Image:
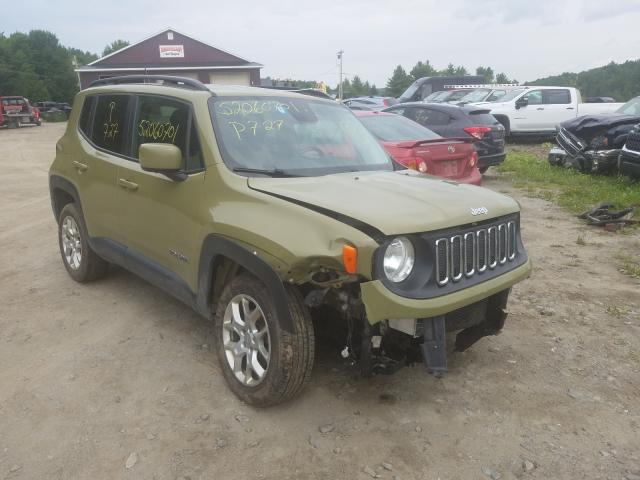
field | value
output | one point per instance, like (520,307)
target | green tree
(373,90)
(82,58)
(486,72)
(36,66)
(357,87)
(421,69)
(502,78)
(450,70)
(114,46)
(398,82)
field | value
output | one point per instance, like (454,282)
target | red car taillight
(478,131)
(385,102)
(474,159)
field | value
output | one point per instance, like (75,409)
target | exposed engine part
(434,346)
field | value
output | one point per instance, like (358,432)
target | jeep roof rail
(182,82)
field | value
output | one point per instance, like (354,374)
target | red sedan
(417,147)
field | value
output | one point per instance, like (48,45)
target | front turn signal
(350,258)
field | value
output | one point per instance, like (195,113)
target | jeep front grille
(473,252)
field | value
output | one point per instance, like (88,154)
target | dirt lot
(95,378)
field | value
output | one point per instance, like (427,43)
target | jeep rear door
(103,138)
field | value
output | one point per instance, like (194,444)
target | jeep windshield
(286,136)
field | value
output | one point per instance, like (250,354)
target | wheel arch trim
(57,182)
(216,246)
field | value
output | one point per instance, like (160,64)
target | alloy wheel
(71,242)
(246,341)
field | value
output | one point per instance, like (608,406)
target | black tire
(505,123)
(291,354)
(89,266)
(483,170)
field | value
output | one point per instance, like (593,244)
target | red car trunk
(417,147)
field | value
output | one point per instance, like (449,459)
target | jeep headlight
(398,260)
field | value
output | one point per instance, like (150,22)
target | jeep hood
(399,202)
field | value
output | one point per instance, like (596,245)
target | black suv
(454,121)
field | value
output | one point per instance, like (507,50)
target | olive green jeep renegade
(259,208)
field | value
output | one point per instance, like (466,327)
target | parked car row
(49,106)
(453,125)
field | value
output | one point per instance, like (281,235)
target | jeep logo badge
(451,149)
(479,211)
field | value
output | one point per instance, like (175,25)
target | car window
(166,120)
(85,115)
(480,117)
(394,128)
(110,122)
(426,117)
(534,97)
(496,95)
(632,107)
(556,96)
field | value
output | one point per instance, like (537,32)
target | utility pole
(340,84)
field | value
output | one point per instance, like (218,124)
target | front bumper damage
(473,312)
(572,152)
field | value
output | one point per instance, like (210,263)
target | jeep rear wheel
(262,363)
(81,262)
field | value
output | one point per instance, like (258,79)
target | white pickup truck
(537,110)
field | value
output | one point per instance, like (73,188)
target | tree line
(400,79)
(620,81)
(35,65)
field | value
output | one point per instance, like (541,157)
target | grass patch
(629,265)
(573,190)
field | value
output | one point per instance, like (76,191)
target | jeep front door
(159,216)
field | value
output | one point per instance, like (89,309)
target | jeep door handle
(127,184)
(539,108)
(569,108)
(82,167)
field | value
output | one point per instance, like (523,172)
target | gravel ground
(117,380)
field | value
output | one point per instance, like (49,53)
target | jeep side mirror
(522,102)
(162,158)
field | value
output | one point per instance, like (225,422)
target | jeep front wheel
(263,363)
(82,263)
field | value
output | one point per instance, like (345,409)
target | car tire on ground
(262,363)
(483,170)
(82,263)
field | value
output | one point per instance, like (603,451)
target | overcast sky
(526,39)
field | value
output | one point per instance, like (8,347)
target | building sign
(170,51)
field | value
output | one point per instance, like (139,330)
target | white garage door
(230,78)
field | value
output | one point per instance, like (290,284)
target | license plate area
(449,168)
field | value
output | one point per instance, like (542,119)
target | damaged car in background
(592,143)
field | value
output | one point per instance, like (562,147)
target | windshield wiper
(276,172)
